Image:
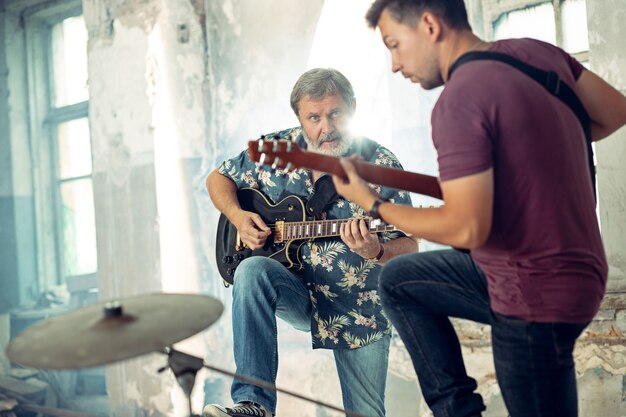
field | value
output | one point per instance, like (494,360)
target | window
(560,22)
(57,83)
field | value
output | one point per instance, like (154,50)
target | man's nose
(395,66)
(328,125)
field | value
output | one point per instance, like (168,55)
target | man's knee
(257,272)
(251,272)
(391,274)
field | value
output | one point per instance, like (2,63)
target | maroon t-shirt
(544,258)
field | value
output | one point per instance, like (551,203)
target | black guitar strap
(324,192)
(552,83)
(323,195)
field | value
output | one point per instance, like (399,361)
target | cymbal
(113,331)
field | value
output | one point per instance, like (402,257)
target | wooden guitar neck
(288,155)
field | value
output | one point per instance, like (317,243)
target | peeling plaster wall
(256,53)
(603,381)
(607,45)
(147,120)
(18,254)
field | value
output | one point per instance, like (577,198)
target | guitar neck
(390,177)
(286,231)
(288,155)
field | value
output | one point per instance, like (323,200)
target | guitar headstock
(279,153)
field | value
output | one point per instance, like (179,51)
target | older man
(334,295)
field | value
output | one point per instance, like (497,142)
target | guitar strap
(323,195)
(324,192)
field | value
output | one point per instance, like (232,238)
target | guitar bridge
(278,233)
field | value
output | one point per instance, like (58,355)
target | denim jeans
(533,361)
(264,289)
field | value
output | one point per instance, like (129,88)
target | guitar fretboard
(322,228)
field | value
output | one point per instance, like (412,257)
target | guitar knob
(238,257)
(230,272)
(227,259)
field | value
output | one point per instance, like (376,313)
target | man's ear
(432,26)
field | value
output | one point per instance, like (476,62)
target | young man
(517,193)
(334,296)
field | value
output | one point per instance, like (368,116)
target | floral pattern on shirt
(346,310)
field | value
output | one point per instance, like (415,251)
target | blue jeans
(533,361)
(264,289)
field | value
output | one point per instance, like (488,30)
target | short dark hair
(452,12)
(318,83)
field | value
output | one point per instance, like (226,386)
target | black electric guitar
(290,230)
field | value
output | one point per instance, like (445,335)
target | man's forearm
(223,193)
(398,246)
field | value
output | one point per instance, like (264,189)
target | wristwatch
(373,212)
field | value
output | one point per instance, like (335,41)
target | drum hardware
(117,330)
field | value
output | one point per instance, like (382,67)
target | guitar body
(230,252)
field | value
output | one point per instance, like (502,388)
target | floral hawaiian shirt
(342,285)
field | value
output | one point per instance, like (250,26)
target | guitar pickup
(278,233)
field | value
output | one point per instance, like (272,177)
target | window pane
(574,24)
(533,22)
(79,227)
(69,58)
(74,148)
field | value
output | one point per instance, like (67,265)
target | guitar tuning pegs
(276,136)
(275,146)
(289,166)
(276,162)
(262,158)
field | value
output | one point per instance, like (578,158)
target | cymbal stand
(185,367)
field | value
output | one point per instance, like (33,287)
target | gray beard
(341,150)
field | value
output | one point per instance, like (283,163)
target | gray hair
(319,83)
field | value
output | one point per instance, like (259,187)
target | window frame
(495,11)
(37,22)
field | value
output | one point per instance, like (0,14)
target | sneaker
(246,409)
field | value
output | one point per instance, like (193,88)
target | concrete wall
(147,66)
(18,255)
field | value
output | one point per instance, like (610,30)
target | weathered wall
(18,255)
(147,119)
(603,381)
(608,58)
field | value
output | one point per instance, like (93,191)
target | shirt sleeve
(241,170)
(462,139)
